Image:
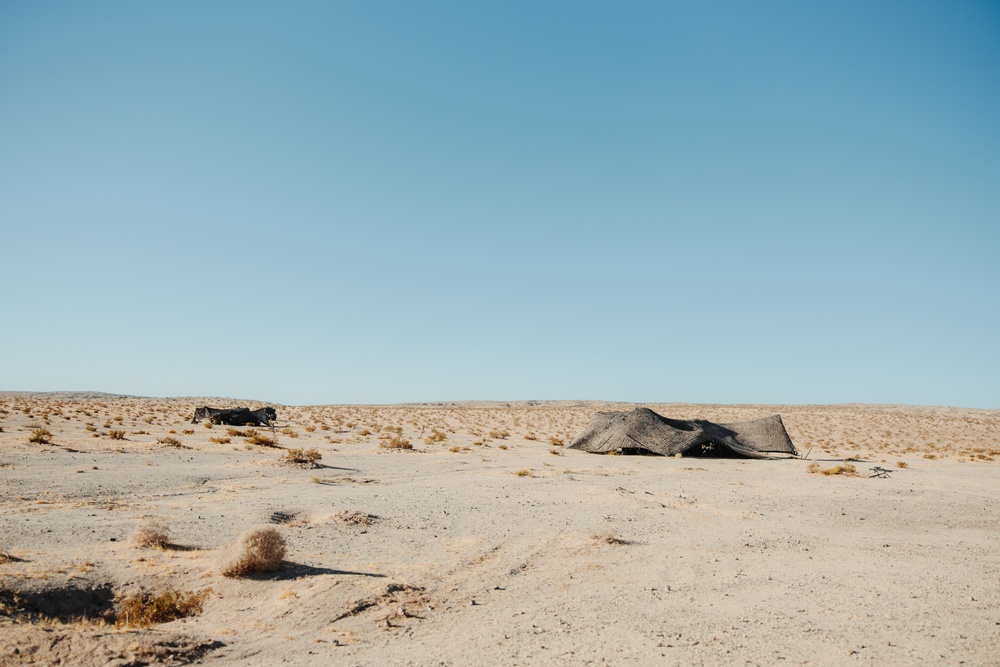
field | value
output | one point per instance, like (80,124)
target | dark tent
(236,416)
(644,431)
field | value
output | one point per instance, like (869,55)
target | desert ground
(468,534)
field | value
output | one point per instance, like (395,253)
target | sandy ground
(489,543)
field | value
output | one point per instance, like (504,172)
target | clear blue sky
(340,202)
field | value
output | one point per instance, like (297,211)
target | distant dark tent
(642,430)
(236,416)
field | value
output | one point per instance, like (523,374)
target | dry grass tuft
(847,470)
(171,441)
(143,609)
(396,442)
(304,456)
(260,550)
(153,533)
(902,464)
(258,438)
(523,472)
(556,442)
(115,434)
(435,436)
(40,436)
(221,441)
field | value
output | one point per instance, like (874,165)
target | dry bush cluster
(844,469)
(259,551)
(40,436)
(153,533)
(145,608)
(303,456)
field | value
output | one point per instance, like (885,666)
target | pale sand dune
(452,558)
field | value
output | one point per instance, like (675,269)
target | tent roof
(646,430)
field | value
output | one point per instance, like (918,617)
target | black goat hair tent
(645,431)
(236,416)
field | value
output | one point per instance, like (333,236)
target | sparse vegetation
(259,551)
(116,434)
(846,469)
(435,436)
(902,464)
(40,436)
(152,534)
(556,442)
(523,472)
(303,456)
(257,438)
(144,608)
(220,440)
(170,441)
(396,442)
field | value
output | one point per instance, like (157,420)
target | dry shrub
(259,550)
(501,446)
(144,608)
(523,472)
(556,442)
(258,438)
(435,436)
(847,470)
(300,455)
(397,442)
(116,434)
(289,432)
(530,436)
(40,436)
(221,441)
(236,433)
(500,435)
(152,533)
(902,464)
(5,557)
(171,441)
